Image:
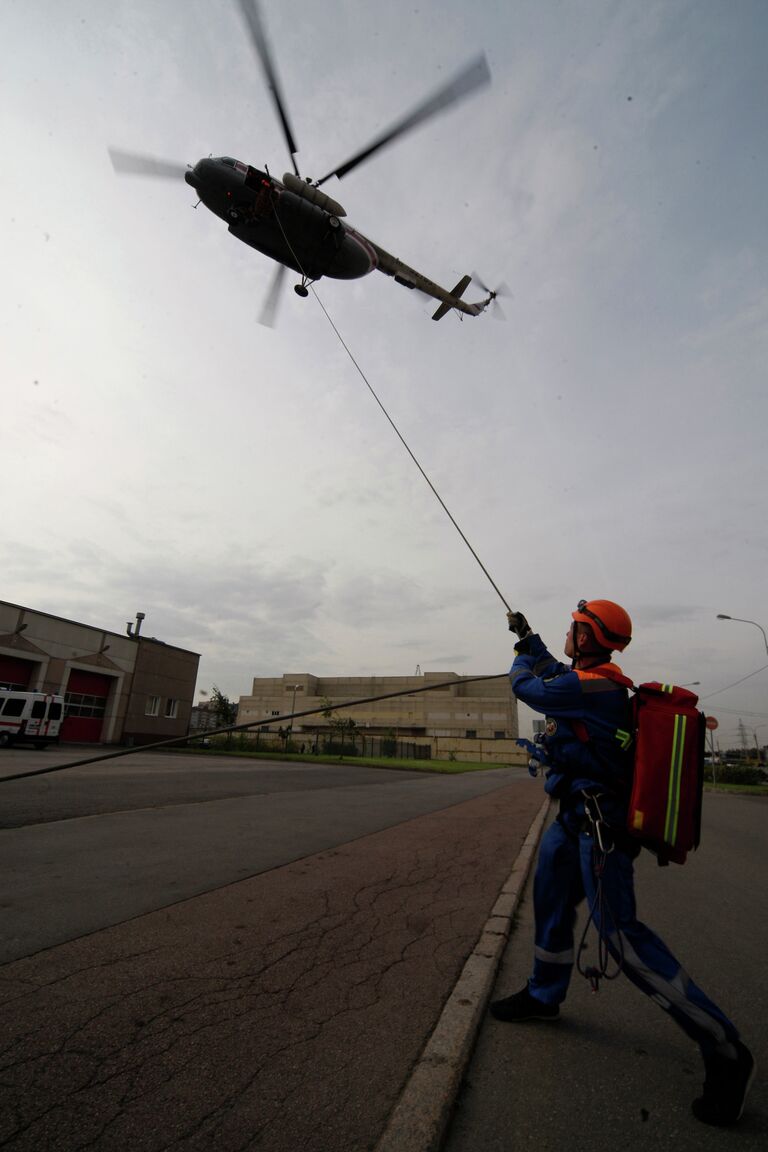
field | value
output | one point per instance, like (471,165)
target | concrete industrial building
(471,721)
(117,688)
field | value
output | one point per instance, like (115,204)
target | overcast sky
(164,452)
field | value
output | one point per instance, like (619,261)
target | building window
(499,735)
(171,709)
(153,706)
(471,734)
(83,704)
(275,712)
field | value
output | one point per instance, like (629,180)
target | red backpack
(668,771)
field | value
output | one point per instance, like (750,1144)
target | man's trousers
(565,876)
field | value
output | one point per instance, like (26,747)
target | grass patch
(747,789)
(444,767)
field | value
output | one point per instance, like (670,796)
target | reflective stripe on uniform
(674,994)
(597,684)
(565,957)
(624,738)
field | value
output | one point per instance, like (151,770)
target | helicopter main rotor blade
(135,164)
(473,76)
(252,17)
(273,297)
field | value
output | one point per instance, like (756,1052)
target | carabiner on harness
(594,814)
(600,911)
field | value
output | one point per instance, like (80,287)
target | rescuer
(586,851)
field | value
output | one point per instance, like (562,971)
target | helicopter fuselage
(297,228)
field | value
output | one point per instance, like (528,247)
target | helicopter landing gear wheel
(301,290)
(334,223)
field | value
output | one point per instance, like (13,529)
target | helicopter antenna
(255,26)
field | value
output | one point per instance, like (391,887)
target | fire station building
(118,688)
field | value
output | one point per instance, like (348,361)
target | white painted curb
(420,1117)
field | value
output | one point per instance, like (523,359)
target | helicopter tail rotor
(492,298)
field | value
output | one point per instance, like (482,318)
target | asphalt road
(90,847)
(614,1072)
(271,1012)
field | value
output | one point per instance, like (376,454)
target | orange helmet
(609,622)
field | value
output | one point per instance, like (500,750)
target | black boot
(522,1006)
(725,1087)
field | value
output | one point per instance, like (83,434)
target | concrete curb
(420,1117)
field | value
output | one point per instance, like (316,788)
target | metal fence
(320,744)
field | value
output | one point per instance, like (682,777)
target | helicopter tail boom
(410,278)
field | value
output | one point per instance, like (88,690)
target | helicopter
(292,221)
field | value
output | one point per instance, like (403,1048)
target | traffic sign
(711,723)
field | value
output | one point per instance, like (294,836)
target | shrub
(335,748)
(737,774)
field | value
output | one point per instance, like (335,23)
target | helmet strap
(589,657)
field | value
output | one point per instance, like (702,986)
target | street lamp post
(293,709)
(740,620)
(757,745)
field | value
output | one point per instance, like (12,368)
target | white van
(32,717)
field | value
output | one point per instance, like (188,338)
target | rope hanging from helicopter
(175,741)
(396,430)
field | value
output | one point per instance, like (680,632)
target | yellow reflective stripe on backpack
(675,778)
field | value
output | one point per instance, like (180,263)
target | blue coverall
(584,750)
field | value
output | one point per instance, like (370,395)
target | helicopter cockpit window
(228,160)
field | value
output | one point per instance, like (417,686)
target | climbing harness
(600,912)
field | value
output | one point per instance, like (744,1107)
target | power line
(741,712)
(747,677)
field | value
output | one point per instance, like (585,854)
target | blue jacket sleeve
(544,683)
(586,713)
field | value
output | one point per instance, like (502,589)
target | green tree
(223,709)
(342,728)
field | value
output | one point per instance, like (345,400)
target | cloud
(445,661)
(653,615)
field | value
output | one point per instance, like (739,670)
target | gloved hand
(518,624)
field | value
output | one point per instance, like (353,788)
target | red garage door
(85,703)
(15,673)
